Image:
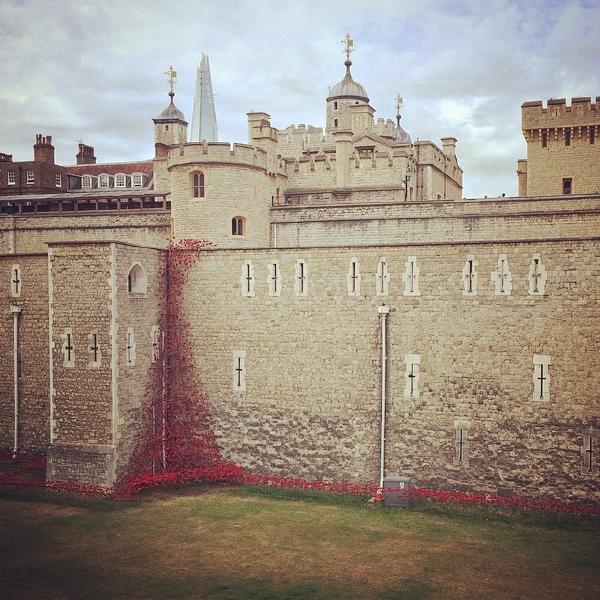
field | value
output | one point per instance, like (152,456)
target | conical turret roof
(348,88)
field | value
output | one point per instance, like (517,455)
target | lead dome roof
(348,88)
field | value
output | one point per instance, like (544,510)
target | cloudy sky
(93,70)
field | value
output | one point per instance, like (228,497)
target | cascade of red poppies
(176,432)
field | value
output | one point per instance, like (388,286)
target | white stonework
(410,277)
(541,377)
(15,281)
(301,278)
(247,280)
(130,348)
(537,276)
(412,377)
(68,348)
(502,277)
(94,350)
(469,276)
(274,282)
(239,370)
(382,278)
(353,278)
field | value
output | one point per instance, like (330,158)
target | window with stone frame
(469,276)
(130,350)
(353,278)
(237,226)
(537,276)
(541,377)
(68,348)
(156,343)
(12,178)
(239,370)
(590,452)
(301,278)
(15,281)
(382,278)
(94,353)
(274,278)
(412,366)
(567,185)
(410,277)
(502,277)
(247,279)
(461,443)
(198,184)
(137,282)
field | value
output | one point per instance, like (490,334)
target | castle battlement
(211,152)
(557,113)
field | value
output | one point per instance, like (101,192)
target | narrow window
(130,348)
(469,274)
(15,281)
(411,374)
(541,377)
(120,180)
(382,278)
(567,185)
(335,107)
(198,184)
(274,279)
(461,443)
(567,137)
(537,276)
(590,452)
(237,226)
(68,348)
(247,279)
(29,178)
(12,178)
(137,180)
(94,354)
(335,122)
(58,179)
(239,370)
(502,277)
(353,278)
(155,339)
(137,283)
(301,281)
(410,277)
(592,135)
(544,139)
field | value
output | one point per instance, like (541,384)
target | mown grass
(234,543)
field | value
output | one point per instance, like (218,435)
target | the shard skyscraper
(204,119)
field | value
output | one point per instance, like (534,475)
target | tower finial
(348,48)
(172,74)
(399,103)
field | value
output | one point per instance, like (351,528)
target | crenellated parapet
(557,117)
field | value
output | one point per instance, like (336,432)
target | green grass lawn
(236,543)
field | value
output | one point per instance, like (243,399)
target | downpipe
(16,311)
(383,311)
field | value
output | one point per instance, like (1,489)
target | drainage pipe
(16,310)
(383,313)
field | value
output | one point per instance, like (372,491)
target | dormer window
(86,181)
(120,180)
(103,181)
(136,180)
(198,184)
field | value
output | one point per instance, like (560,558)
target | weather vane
(348,45)
(399,103)
(172,74)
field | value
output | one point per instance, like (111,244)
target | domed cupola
(347,88)
(400,136)
(170,127)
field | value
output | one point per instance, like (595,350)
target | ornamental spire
(348,48)
(399,103)
(172,78)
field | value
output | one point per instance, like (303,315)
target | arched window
(335,105)
(335,122)
(137,282)
(237,226)
(198,184)
(86,181)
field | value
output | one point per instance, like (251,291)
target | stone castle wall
(33,421)
(32,233)
(310,406)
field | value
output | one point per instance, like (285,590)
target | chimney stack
(85,156)
(449,146)
(43,150)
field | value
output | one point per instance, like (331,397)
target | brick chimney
(85,156)
(43,150)
(5,157)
